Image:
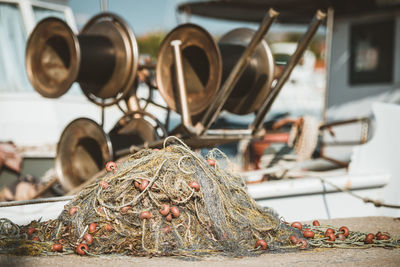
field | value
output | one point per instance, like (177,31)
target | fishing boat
(355,80)
(362,41)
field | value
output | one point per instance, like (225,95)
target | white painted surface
(30,119)
(305,198)
(310,207)
(312,185)
(381,153)
(24,214)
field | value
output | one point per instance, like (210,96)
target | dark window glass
(371,55)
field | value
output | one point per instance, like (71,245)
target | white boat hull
(309,198)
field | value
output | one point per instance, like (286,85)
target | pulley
(82,151)
(201,64)
(103,58)
(84,148)
(255,83)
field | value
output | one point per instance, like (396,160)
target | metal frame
(216,106)
(28,15)
(294,59)
(328,48)
(201,132)
(200,136)
(365,122)
(186,118)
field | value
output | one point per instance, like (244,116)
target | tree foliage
(150,43)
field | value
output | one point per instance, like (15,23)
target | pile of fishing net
(170,201)
(167,202)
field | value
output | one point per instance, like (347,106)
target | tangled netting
(170,201)
(160,202)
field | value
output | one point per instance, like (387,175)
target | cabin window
(41,13)
(372,52)
(13,77)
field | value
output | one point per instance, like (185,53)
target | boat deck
(317,257)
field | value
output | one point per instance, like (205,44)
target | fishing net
(170,202)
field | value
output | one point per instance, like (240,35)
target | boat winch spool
(103,58)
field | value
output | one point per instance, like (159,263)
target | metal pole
(294,59)
(228,132)
(102,115)
(186,119)
(103,5)
(215,108)
(132,103)
(328,51)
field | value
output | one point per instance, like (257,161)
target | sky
(157,15)
(148,15)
